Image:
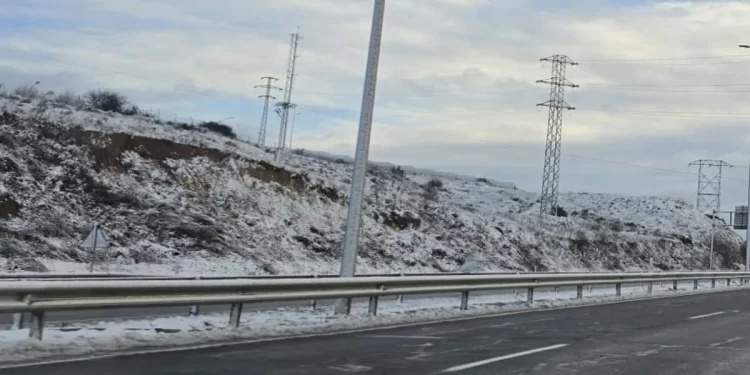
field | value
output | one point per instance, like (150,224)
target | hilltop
(181,198)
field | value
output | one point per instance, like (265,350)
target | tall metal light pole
(747,231)
(356,194)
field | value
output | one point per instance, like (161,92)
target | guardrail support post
(372,308)
(17,321)
(650,289)
(530,296)
(579,292)
(713,283)
(618,290)
(37,325)
(195,309)
(314,303)
(729,281)
(674,285)
(400,297)
(695,284)
(235,312)
(464,301)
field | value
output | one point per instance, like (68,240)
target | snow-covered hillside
(173,199)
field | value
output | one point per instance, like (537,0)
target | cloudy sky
(661,83)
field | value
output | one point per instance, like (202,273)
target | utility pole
(747,231)
(264,118)
(359,175)
(708,198)
(556,104)
(289,87)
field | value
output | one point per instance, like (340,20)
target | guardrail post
(618,289)
(579,292)
(314,303)
(464,301)
(650,288)
(234,315)
(729,281)
(37,325)
(372,308)
(17,321)
(530,296)
(713,283)
(400,297)
(674,285)
(195,309)
(695,284)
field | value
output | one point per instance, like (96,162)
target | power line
(697,115)
(705,57)
(568,155)
(663,85)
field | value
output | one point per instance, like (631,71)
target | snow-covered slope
(174,199)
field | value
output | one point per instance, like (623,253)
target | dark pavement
(698,334)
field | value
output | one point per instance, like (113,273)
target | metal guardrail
(37,297)
(125,276)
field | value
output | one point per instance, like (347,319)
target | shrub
(431,189)
(69,98)
(560,212)
(108,101)
(397,171)
(435,183)
(27,91)
(218,128)
(182,125)
(130,110)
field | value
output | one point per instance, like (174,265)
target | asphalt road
(687,335)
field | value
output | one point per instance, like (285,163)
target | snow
(99,338)
(207,204)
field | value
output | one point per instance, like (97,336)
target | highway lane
(697,334)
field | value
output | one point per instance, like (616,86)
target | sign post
(95,240)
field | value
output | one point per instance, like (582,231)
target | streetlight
(747,231)
(359,177)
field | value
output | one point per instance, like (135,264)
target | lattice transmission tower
(709,185)
(287,104)
(556,104)
(264,118)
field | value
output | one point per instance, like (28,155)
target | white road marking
(733,339)
(517,323)
(707,315)
(405,337)
(351,368)
(503,358)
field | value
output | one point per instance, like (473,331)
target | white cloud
(453,72)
